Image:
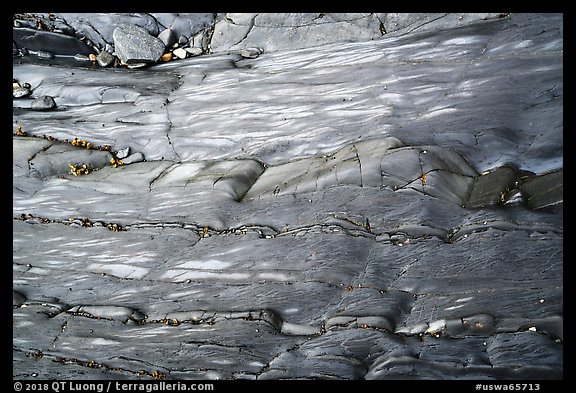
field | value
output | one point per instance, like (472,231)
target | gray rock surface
(224,32)
(328,212)
(274,32)
(402,23)
(61,44)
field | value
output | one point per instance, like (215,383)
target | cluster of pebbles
(136,48)
(20,90)
(149,49)
(25,89)
(130,45)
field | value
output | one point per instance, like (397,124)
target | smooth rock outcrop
(35,40)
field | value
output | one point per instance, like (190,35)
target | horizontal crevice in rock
(155,374)
(400,235)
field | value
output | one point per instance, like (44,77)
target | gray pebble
(44,55)
(167,37)
(43,103)
(399,239)
(250,53)
(182,40)
(104,59)
(180,53)
(81,58)
(137,65)
(123,153)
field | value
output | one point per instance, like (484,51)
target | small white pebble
(532,328)
(541,300)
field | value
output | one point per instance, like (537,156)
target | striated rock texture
(386,208)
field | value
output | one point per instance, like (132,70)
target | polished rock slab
(336,212)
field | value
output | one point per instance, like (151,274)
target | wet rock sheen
(385,202)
